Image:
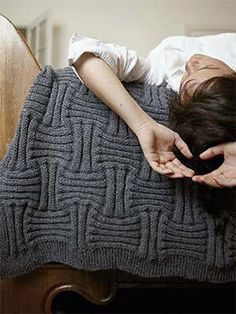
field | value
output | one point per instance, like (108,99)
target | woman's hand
(225,175)
(157,142)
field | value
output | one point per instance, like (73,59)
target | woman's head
(200,68)
(206,117)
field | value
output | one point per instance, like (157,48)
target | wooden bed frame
(35,291)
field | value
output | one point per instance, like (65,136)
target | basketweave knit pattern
(76,188)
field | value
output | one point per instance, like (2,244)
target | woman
(187,64)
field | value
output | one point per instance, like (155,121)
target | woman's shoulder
(168,44)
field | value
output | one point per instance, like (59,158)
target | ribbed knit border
(103,258)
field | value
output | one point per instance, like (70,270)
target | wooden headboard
(18,68)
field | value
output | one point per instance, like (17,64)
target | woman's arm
(155,139)
(98,76)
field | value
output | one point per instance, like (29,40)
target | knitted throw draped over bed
(76,188)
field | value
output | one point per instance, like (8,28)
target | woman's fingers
(177,171)
(178,167)
(161,169)
(174,169)
(207,179)
(182,146)
(212,151)
(186,171)
(215,179)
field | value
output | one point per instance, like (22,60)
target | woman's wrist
(140,121)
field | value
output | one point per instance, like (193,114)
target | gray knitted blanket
(75,188)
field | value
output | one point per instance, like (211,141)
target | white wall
(137,24)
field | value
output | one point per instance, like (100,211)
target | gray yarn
(75,188)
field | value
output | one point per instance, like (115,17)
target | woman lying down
(202,72)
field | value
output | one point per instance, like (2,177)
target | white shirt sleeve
(126,64)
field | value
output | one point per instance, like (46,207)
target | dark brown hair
(205,119)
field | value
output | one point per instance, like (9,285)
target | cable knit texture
(75,188)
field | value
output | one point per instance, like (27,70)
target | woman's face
(200,68)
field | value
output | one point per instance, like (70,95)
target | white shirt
(166,62)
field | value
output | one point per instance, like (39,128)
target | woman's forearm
(104,83)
